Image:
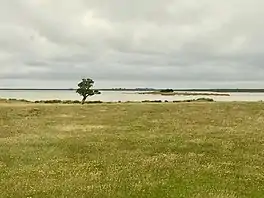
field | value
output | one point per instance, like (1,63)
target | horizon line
(175,89)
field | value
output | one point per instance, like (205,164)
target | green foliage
(85,89)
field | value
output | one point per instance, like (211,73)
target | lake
(114,96)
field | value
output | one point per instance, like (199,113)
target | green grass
(132,150)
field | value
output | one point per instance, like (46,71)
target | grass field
(132,150)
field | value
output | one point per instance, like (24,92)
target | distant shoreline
(184,93)
(177,90)
(37,89)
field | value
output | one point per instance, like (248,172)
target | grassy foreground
(132,150)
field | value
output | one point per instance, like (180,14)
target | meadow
(137,150)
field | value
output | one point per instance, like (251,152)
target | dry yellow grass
(132,150)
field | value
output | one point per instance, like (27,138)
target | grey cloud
(132,43)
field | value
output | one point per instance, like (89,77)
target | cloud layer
(124,43)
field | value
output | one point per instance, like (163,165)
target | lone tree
(85,89)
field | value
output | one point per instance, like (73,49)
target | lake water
(114,96)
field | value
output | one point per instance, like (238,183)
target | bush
(155,101)
(205,99)
(23,100)
(52,101)
(71,102)
(49,101)
(166,90)
(145,101)
(195,100)
(93,102)
(151,101)
(16,100)
(76,102)
(130,101)
(12,99)
(67,102)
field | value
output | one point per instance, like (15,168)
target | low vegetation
(96,101)
(166,90)
(12,100)
(132,150)
(67,102)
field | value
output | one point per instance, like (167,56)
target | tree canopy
(85,89)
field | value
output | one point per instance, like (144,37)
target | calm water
(110,96)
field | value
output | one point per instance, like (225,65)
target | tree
(85,89)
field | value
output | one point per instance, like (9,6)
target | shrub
(129,101)
(166,90)
(156,101)
(205,99)
(93,102)
(15,100)
(52,101)
(153,101)
(145,101)
(71,102)
(23,100)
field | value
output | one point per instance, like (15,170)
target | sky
(132,43)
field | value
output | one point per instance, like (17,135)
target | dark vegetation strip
(99,102)
(145,89)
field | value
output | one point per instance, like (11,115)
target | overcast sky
(132,43)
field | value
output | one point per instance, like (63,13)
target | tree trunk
(83,100)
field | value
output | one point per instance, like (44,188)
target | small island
(171,92)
